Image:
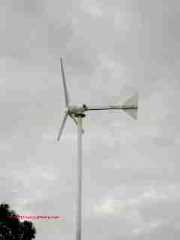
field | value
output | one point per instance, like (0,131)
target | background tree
(11,228)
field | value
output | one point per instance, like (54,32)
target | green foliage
(11,228)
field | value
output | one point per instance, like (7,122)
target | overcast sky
(111,49)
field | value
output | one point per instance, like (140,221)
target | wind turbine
(77,113)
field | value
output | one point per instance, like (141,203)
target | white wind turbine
(77,113)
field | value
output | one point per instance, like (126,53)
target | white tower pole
(79,180)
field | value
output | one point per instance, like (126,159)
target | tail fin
(131,106)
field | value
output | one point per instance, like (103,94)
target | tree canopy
(11,228)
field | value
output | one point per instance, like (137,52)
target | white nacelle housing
(77,109)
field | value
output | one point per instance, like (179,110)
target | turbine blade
(62,126)
(64,84)
(76,122)
(74,119)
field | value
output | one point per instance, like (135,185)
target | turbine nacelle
(77,111)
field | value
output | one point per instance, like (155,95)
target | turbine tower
(77,113)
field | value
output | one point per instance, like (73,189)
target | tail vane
(132,101)
(131,106)
(131,112)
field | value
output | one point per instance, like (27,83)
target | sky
(111,49)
